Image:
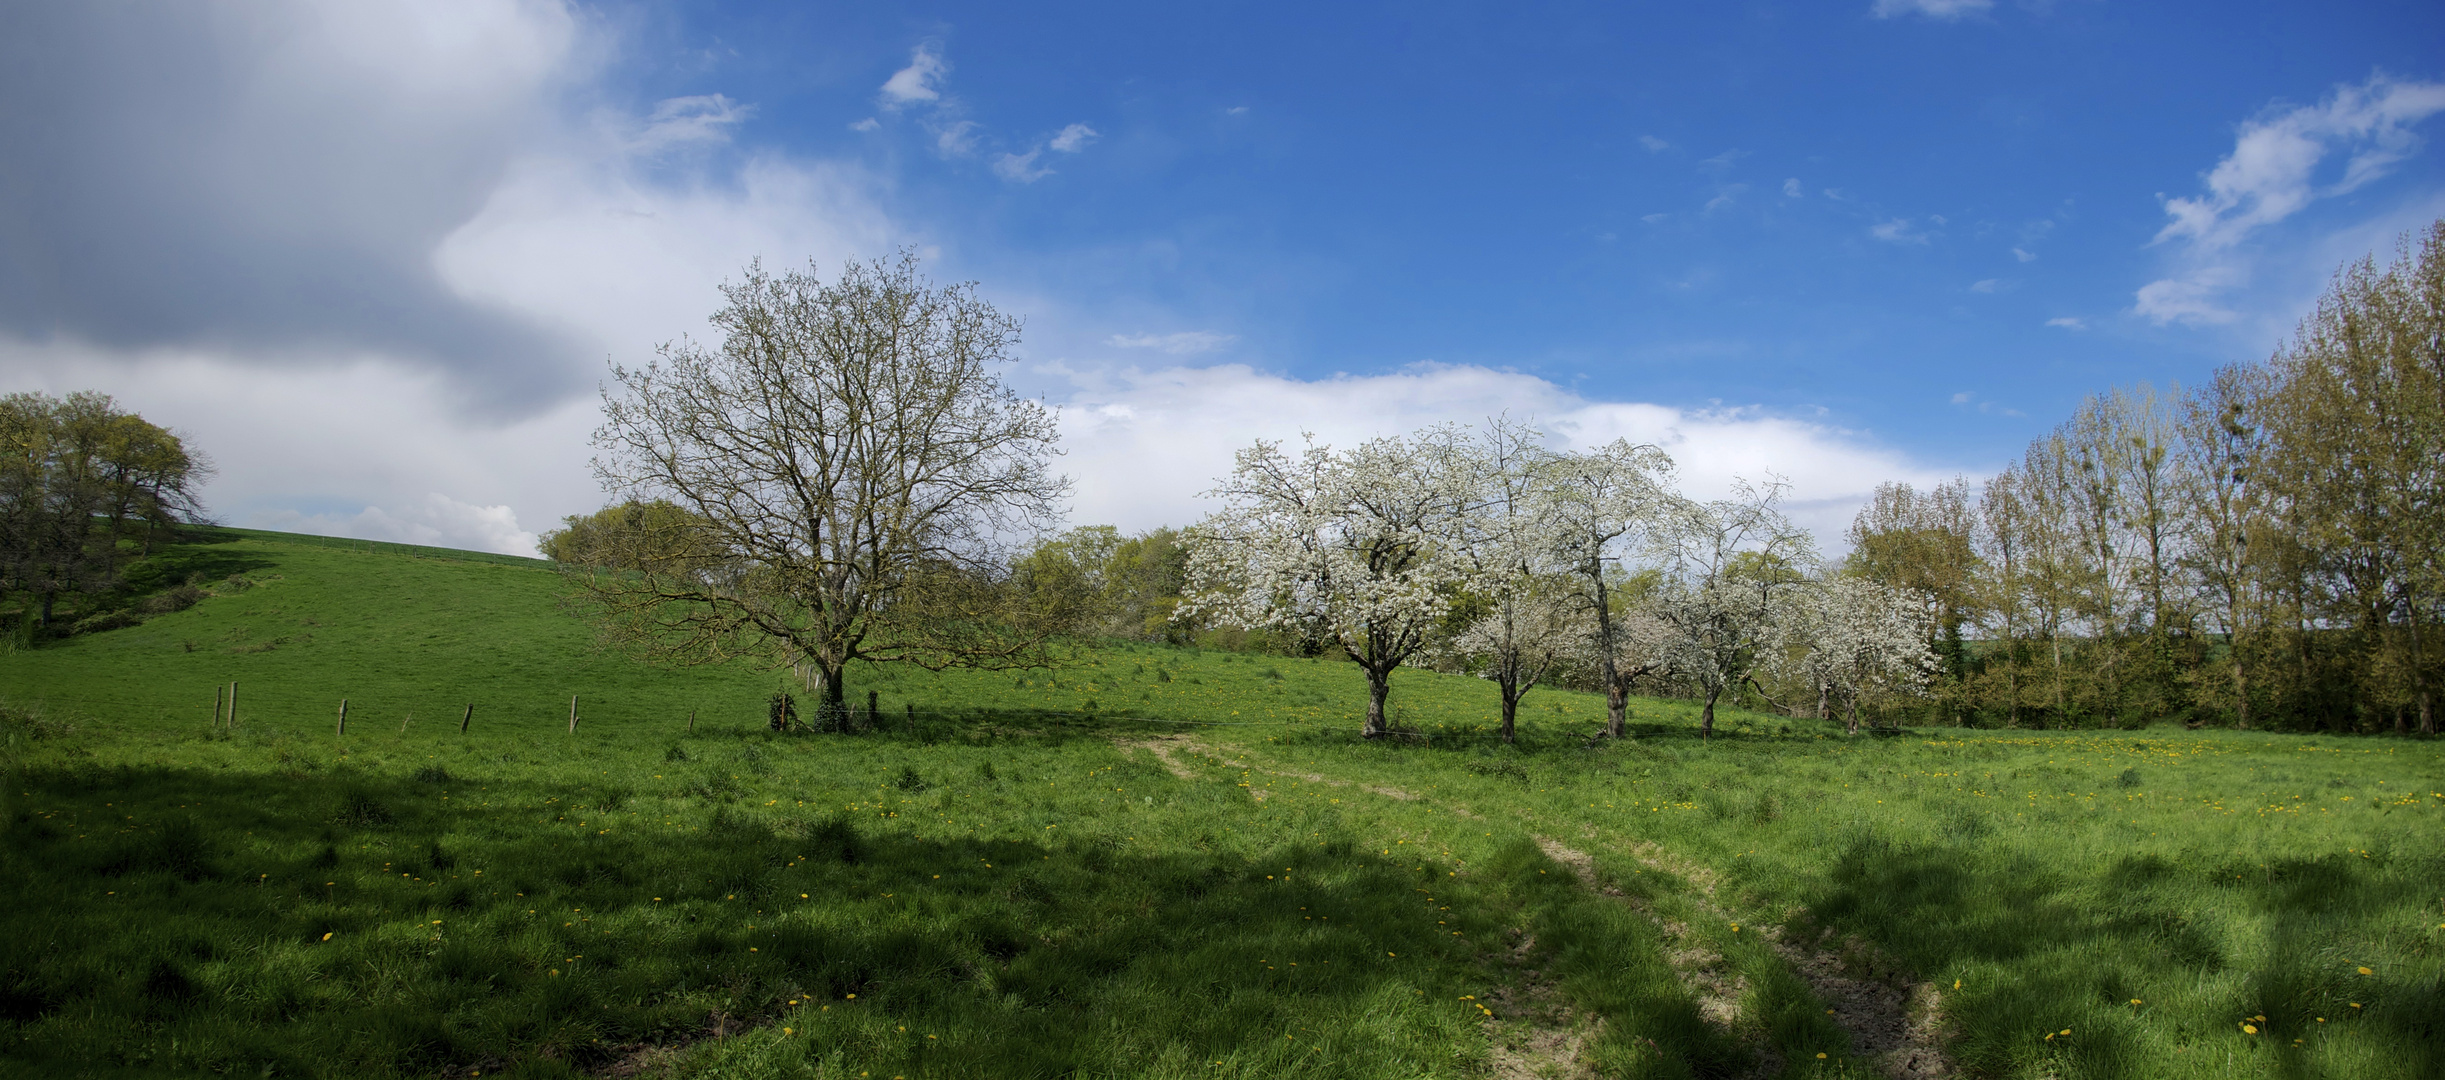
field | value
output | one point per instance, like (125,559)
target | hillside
(1205,876)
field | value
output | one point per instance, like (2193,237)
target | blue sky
(1843,242)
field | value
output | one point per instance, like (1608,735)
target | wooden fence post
(572,714)
(233,705)
(691,721)
(463,720)
(217,691)
(343,728)
(874,705)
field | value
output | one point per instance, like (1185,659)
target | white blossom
(1352,547)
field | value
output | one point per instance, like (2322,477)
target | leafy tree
(857,468)
(630,536)
(78,477)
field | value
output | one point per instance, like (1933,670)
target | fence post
(572,714)
(233,705)
(470,715)
(874,710)
(217,691)
(343,728)
(691,721)
(912,715)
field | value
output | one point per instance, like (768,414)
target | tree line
(2266,550)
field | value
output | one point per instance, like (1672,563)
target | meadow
(1149,862)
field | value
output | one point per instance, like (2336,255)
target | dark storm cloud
(270,179)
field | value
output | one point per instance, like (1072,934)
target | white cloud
(956,139)
(2068,322)
(2190,299)
(1236,110)
(1723,160)
(1934,9)
(2272,172)
(1020,168)
(437,520)
(867,124)
(1990,285)
(2282,161)
(2024,255)
(1898,231)
(1791,189)
(1963,398)
(1074,138)
(1653,218)
(1181,344)
(920,81)
(1724,197)
(685,121)
(1143,444)
(1654,145)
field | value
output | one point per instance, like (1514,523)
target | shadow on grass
(348,923)
(2076,959)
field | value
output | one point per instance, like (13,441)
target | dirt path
(1899,1030)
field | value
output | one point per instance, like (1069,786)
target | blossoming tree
(1351,547)
(1599,508)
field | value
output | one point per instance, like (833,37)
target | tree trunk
(1852,706)
(1823,690)
(1511,706)
(1617,694)
(2419,677)
(1706,719)
(1379,685)
(2241,683)
(832,709)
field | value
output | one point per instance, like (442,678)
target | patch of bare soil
(1161,746)
(1896,1025)
(1534,1031)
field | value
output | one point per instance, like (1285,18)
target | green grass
(1014,886)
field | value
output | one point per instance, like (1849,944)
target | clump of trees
(1490,552)
(85,487)
(2262,551)
(841,477)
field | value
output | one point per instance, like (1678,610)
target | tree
(1529,621)
(858,469)
(630,536)
(79,475)
(1732,567)
(1854,636)
(2352,465)
(1601,506)
(1353,548)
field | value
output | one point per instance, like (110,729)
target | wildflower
(2249,1028)
(2366,971)
(1820,1055)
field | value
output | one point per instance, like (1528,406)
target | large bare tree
(851,469)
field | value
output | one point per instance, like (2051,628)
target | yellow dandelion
(2366,971)
(2249,1029)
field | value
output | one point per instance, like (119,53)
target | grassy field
(1150,863)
